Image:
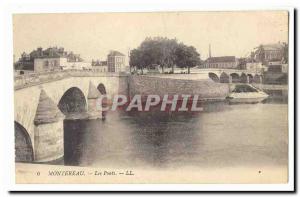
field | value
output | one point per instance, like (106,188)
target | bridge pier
(48,131)
(247,79)
(230,79)
(93,109)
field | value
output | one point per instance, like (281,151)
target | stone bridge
(231,75)
(43,101)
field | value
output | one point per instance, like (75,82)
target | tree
(186,56)
(135,60)
(169,57)
(162,51)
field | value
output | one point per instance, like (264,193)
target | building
(99,66)
(50,59)
(274,57)
(24,66)
(116,62)
(271,52)
(223,62)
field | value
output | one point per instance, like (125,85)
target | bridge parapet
(93,73)
(22,81)
(27,80)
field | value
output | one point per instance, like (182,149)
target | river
(220,136)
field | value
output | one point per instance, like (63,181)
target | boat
(244,93)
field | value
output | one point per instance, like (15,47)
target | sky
(93,35)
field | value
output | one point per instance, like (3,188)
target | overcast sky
(94,35)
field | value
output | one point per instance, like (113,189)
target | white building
(48,63)
(76,65)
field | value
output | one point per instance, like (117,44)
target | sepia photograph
(170,97)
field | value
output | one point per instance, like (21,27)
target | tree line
(167,53)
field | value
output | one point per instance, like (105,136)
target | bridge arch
(214,77)
(23,144)
(101,88)
(235,78)
(243,78)
(224,78)
(73,101)
(250,76)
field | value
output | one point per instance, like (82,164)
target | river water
(220,136)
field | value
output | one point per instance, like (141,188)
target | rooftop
(221,59)
(51,52)
(277,46)
(115,53)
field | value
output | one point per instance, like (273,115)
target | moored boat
(244,93)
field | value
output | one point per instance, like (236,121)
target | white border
(125,6)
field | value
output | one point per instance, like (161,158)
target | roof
(115,53)
(221,59)
(54,52)
(47,53)
(270,47)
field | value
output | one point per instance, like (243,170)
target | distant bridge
(230,75)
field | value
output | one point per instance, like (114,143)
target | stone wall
(205,88)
